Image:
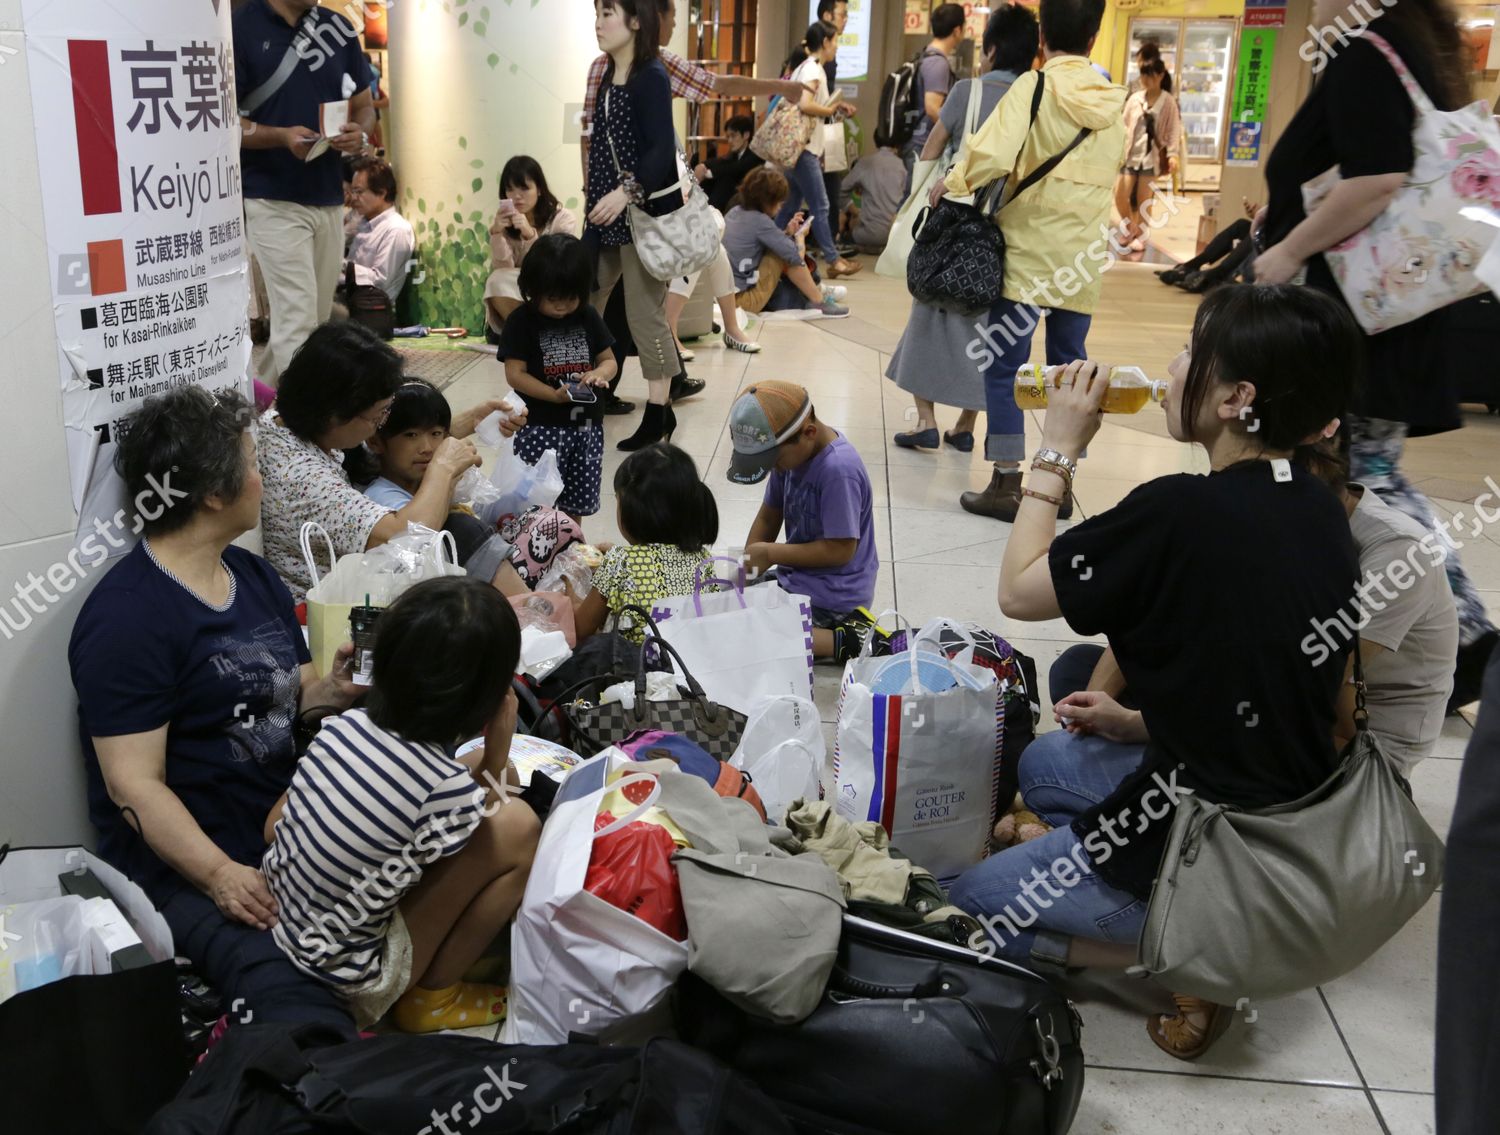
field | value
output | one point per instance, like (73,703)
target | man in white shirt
(383,244)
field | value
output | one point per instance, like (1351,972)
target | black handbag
(958,260)
(297,1081)
(911,1035)
(715,728)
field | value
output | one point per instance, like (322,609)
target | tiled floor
(1353,1057)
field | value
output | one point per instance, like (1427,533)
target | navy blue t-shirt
(146,652)
(330,50)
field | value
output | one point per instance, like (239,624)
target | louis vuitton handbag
(715,728)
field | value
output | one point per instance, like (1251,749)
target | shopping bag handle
(866,651)
(309,529)
(736,585)
(640,809)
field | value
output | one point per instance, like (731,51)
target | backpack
(291,1080)
(900,103)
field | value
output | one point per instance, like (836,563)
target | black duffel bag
(911,1036)
(958,259)
(291,1081)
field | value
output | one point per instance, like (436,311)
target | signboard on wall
(918,16)
(1265,13)
(1252,87)
(137,142)
(854,44)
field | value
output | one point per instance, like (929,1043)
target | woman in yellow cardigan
(1057,234)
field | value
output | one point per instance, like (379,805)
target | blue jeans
(1036,897)
(807,185)
(1008,335)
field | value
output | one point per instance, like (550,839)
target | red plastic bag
(632,869)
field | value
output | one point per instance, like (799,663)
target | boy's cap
(763,417)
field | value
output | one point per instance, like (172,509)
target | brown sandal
(1177,1036)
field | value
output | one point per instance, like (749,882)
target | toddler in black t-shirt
(556,351)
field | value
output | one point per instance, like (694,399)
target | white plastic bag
(487,432)
(578,963)
(44,942)
(783,753)
(521,485)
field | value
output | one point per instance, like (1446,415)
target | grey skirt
(932,361)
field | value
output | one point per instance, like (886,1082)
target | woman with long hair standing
(1152,130)
(631,159)
(1360,118)
(806,176)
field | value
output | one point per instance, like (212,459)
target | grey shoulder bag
(1262,903)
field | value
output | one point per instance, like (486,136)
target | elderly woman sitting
(332,398)
(191,674)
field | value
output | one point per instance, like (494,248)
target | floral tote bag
(1421,253)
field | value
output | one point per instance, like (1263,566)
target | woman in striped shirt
(395,864)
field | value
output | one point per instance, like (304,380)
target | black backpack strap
(1051,163)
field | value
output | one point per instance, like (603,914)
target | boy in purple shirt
(819,488)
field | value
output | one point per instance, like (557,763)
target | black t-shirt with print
(1207,588)
(556,351)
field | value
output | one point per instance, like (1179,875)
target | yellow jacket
(1056,240)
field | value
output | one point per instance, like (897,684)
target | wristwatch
(1056,458)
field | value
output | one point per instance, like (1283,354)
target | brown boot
(999,500)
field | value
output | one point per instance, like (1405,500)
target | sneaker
(834,293)
(830,310)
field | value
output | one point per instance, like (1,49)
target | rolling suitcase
(911,1036)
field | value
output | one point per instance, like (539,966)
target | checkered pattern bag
(715,728)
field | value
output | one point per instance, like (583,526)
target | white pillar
(75,222)
(472,85)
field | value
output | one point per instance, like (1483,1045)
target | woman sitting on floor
(191,671)
(1254,554)
(334,396)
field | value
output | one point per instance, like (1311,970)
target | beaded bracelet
(1055,501)
(1053,467)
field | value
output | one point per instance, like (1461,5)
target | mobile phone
(802,228)
(581,392)
(507,206)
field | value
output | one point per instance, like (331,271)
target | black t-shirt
(146,652)
(1360,118)
(1207,588)
(556,351)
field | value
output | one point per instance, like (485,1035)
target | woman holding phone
(806,175)
(528,211)
(632,159)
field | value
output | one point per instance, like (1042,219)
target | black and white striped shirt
(366,814)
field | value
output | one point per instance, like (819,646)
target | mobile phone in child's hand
(580,392)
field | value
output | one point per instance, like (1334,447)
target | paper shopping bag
(925,765)
(744,644)
(578,963)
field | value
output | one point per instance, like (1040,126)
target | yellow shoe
(459,1006)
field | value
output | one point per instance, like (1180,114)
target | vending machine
(1199,55)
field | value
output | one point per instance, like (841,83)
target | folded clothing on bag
(879,882)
